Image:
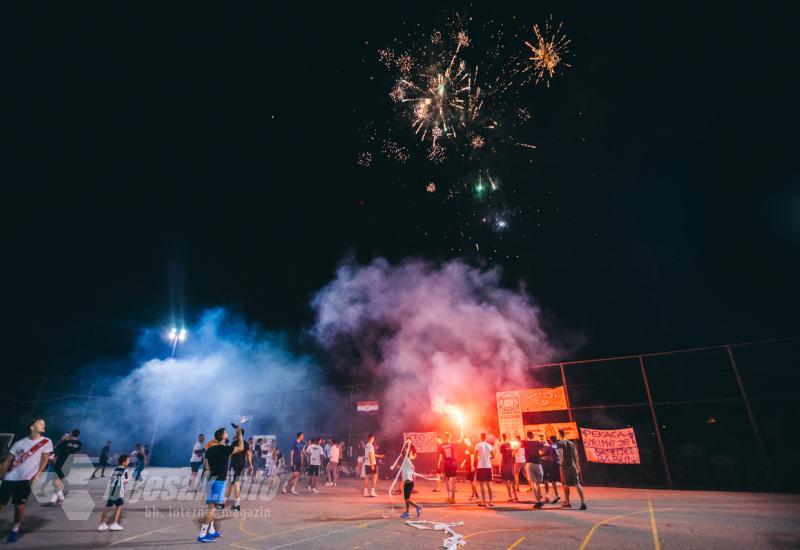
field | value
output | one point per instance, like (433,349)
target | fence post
(655,423)
(566,394)
(86,405)
(38,397)
(281,424)
(349,416)
(760,442)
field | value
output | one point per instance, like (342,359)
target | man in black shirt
(550,468)
(217,467)
(103,462)
(68,445)
(238,463)
(533,466)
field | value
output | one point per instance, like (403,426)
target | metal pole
(161,402)
(566,395)
(313,416)
(349,416)
(86,405)
(760,442)
(655,423)
(38,397)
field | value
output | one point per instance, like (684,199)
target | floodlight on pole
(174,336)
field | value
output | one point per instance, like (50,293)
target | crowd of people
(218,467)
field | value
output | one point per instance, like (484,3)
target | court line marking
(656,544)
(269,535)
(362,525)
(134,537)
(612,518)
(519,540)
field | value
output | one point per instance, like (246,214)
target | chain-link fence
(720,417)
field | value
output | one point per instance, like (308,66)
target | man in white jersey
(196,460)
(315,453)
(370,467)
(27,460)
(484,453)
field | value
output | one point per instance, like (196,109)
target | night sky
(164,160)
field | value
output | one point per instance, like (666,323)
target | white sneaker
(295,492)
(115,527)
(372,494)
(283,489)
(366,493)
(328,484)
(102,527)
(314,490)
(54,499)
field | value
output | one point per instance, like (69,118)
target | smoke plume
(224,368)
(433,335)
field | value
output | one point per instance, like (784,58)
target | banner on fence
(367,406)
(509,413)
(546,430)
(424,442)
(610,446)
(543,399)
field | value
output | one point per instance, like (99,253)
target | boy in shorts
(407,475)
(116,496)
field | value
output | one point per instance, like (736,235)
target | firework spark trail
(548,52)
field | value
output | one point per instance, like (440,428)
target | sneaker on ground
(283,489)
(404,515)
(206,538)
(12,537)
(215,534)
(314,490)
(115,527)
(102,527)
(583,506)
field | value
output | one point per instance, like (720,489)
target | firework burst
(550,47)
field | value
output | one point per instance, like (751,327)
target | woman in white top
(519,460)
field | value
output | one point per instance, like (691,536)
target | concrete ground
(340,517)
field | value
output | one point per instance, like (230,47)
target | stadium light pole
(174,337)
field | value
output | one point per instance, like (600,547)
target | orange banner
(570,430)
(543,399)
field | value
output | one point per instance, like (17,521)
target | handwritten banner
(509,414)
(543,399)
(424,442)
(610,446)
(570,430)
